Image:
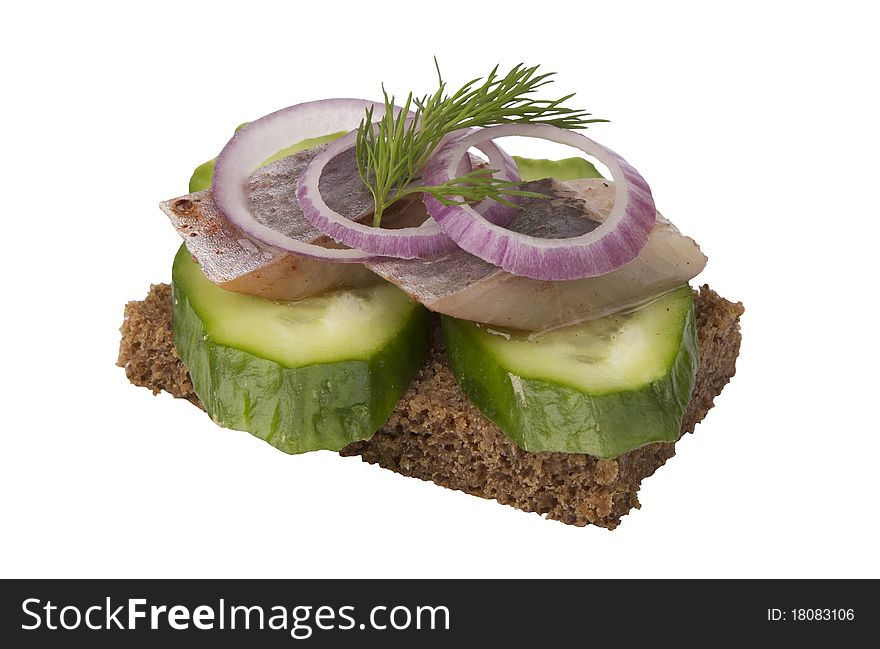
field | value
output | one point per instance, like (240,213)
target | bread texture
(435,433)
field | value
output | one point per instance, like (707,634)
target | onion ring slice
(425,240)
(264,137)
(617,241)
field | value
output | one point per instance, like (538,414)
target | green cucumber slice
(565,169)
(317,373)
(602,388)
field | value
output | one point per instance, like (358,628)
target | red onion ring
(264,137)
(493,211)
(614,243)
(425,240)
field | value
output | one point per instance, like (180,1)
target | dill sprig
(392,152)
(473,187)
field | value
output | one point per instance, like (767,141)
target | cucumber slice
(317,373)
(565,169)
(602,388)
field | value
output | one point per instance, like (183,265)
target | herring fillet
(457,284)
(237,262)
(464,286)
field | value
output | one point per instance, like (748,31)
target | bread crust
(435,433)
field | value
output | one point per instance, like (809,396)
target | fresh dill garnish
(392,152)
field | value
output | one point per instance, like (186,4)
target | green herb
(392,153)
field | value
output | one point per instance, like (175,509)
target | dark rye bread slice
(436,434)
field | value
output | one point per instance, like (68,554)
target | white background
(756,126)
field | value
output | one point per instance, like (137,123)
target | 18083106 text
(811,615)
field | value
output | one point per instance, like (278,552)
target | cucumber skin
(233,386)
(542,416)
